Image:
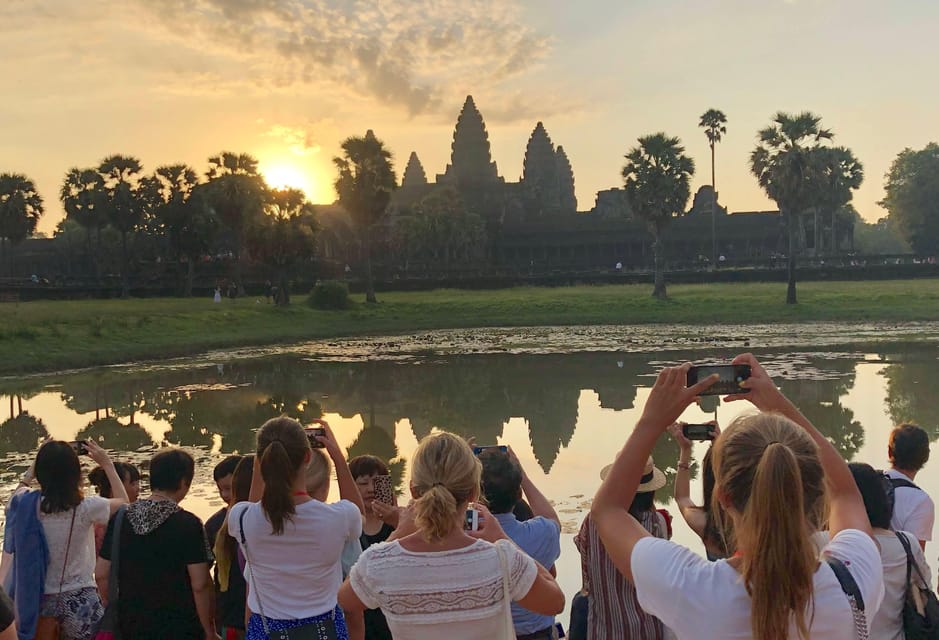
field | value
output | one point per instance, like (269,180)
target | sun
(285,176)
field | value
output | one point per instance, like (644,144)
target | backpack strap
(855,599)
(903,482)
(910,561)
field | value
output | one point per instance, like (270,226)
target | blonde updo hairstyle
(767,471)
(317,475)
(444,476)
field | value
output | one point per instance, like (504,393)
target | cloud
(300,140)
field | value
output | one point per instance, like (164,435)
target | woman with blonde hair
(773,470)
(433,579)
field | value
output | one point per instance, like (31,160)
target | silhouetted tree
(713,121)
(366,180)
(124,202)
(786,164)
(82,195)
(912,198)
(840,173)
(237,194)
(284,236)
(20,209)
(658,176)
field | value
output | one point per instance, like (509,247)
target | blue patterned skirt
(256,628)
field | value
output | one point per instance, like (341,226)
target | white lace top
(455,595)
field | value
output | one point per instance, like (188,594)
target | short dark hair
(908,447)
(99,478)
(367,466)
(168,469)
(226,467)
(59,473)
(871,484)
(501,480)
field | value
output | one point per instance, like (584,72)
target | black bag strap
(903,482)
(855,599)
(910,561)
(68,547)
(113,590)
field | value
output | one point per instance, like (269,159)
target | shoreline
(54,336)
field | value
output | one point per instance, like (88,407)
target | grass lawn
(47,336)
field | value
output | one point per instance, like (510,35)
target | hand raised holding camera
(670,397)
(326,438)
(675,430)
(96,453)
(763,393)
(489,528)
(390,514)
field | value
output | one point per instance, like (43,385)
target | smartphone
(501,447)
(312,432)
(79,447)
(731,375)
(698,431)
(383,491)
(471,523)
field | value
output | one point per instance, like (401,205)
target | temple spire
(414,173)
(566,182)
(471,160)
(540,175)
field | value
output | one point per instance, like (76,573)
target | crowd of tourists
(797,543)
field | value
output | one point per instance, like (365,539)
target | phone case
(383,491)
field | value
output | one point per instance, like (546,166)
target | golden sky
(287,80)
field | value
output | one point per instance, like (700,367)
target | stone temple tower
(471,161)
(414,173)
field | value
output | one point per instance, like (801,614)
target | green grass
(54,335)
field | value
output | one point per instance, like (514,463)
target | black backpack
(890,487)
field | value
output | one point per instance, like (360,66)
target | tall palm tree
(786,163)
(82,195)
(237,194)
(366,180)
(658,184)
(20,209)
(125,202)
(840,174)
(713,121)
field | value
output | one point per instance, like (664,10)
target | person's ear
(414,494)
(307,457)
(890,453)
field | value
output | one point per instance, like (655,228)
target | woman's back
(456,594)
(708,601)
(298,572)
(79,574)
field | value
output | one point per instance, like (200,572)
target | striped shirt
(614,612)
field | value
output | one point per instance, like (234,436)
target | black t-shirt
(6,611)
(155,594)
(214,523)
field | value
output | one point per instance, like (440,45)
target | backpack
(890,487)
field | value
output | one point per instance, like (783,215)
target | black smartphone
(312,432)
(79,447)
(731,375)
(501,447)
(698,431)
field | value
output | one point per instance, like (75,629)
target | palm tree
(366,180)
(125,202)
(786,164)
(182,216)
(713,121)
(82,195)
(237,194)
(658,178)
(284,236)
(841,173)
(20,209)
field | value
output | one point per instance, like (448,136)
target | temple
(534,223)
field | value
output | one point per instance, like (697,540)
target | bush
(331,294)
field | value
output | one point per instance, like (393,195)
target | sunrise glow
(287,176)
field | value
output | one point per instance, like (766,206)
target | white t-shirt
(683,589)
(888,623)
(913,509)
(296,574)
(442,595)
(80,572)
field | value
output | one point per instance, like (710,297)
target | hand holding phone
(730,377)
(383,490)
(314,434)
(80,447)
(700,432)
(471,520)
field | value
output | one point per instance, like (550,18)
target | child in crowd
(223,475)
(130,478)
(230,586)
(913,509)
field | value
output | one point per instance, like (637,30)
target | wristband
(684,465)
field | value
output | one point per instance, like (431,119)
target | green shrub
(331,294)
(25,333)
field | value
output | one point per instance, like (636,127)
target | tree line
(231,206)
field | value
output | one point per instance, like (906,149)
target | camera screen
(730,378)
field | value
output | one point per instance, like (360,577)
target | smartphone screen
(471,523)
(698,431)
(79,447)
(312,432)
(501,447)
(383,491)
(731,375)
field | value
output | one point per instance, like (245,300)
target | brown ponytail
(768,469)
(283,447)
(445,475)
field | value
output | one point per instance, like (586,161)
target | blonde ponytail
(769,470)
(444,476)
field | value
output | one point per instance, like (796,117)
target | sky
(287,80)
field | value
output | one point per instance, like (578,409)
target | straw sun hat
(652,477)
